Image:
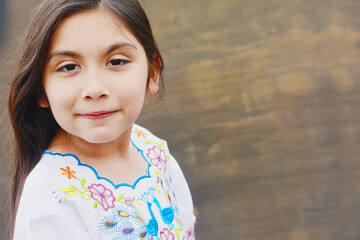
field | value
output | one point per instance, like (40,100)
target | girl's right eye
(68,68)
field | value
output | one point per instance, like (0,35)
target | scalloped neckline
(98,177)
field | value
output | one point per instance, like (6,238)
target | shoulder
(143,133)
(37,197)
(46,172)
(41,174)
(154,147)
(157,152)
(145,140)
(36,200)
(39,209)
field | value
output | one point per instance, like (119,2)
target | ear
(153,83)
(43,102)
(153,86)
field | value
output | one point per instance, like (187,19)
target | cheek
(133,95)
(59,98)
(133,89)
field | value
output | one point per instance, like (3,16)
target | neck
(116,149)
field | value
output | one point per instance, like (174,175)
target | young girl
(83,169)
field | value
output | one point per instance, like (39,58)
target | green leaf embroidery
(83,181)
(85,195)
(75,188)
(69,194)
(157,172)
(95,204)
(177,231)
(66,189)
(121,196)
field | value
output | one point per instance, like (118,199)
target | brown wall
(263,112)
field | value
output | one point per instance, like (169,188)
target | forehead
(91,28)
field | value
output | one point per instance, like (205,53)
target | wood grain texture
(2,22)
(263,101)
(264,97)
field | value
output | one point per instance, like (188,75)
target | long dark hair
(35,127)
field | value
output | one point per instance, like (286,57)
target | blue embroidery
(167,214)
(126,220)
(126,231)
(103,178)
(108,225)
(152,225)
(143,235)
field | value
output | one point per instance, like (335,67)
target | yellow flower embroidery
(69,173)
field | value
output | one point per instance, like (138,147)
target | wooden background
(264,112)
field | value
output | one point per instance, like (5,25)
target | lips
(98,115)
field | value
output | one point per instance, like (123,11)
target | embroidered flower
(157,157)
(69,173)
(102,195)
(129,202)
(166,235)
(140,133)
(190,234)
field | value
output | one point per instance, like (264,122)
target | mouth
(98,114)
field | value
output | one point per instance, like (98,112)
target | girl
(83,169)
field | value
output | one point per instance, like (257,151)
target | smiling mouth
(98,115)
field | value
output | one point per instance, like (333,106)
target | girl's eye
(68,68)
(117,62)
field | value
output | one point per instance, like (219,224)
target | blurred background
(262,112)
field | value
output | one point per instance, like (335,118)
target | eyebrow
(76,55)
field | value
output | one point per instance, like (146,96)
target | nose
(94,88)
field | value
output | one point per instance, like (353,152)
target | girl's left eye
(117,62)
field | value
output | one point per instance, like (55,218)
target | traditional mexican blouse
(66,199)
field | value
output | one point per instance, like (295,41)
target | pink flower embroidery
(190,234)
(157,157)
(102,195)
(166,235)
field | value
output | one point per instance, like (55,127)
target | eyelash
(62,69)
(119,62)
(115,62)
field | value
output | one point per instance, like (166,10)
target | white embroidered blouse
(66,199)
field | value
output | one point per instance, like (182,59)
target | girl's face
(95,77)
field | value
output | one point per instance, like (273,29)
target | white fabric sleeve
(52,226)
(183,197)
(39,215)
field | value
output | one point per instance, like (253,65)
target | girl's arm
(54,226)
(40,216)
(183,199)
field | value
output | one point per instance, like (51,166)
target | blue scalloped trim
(103,178)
